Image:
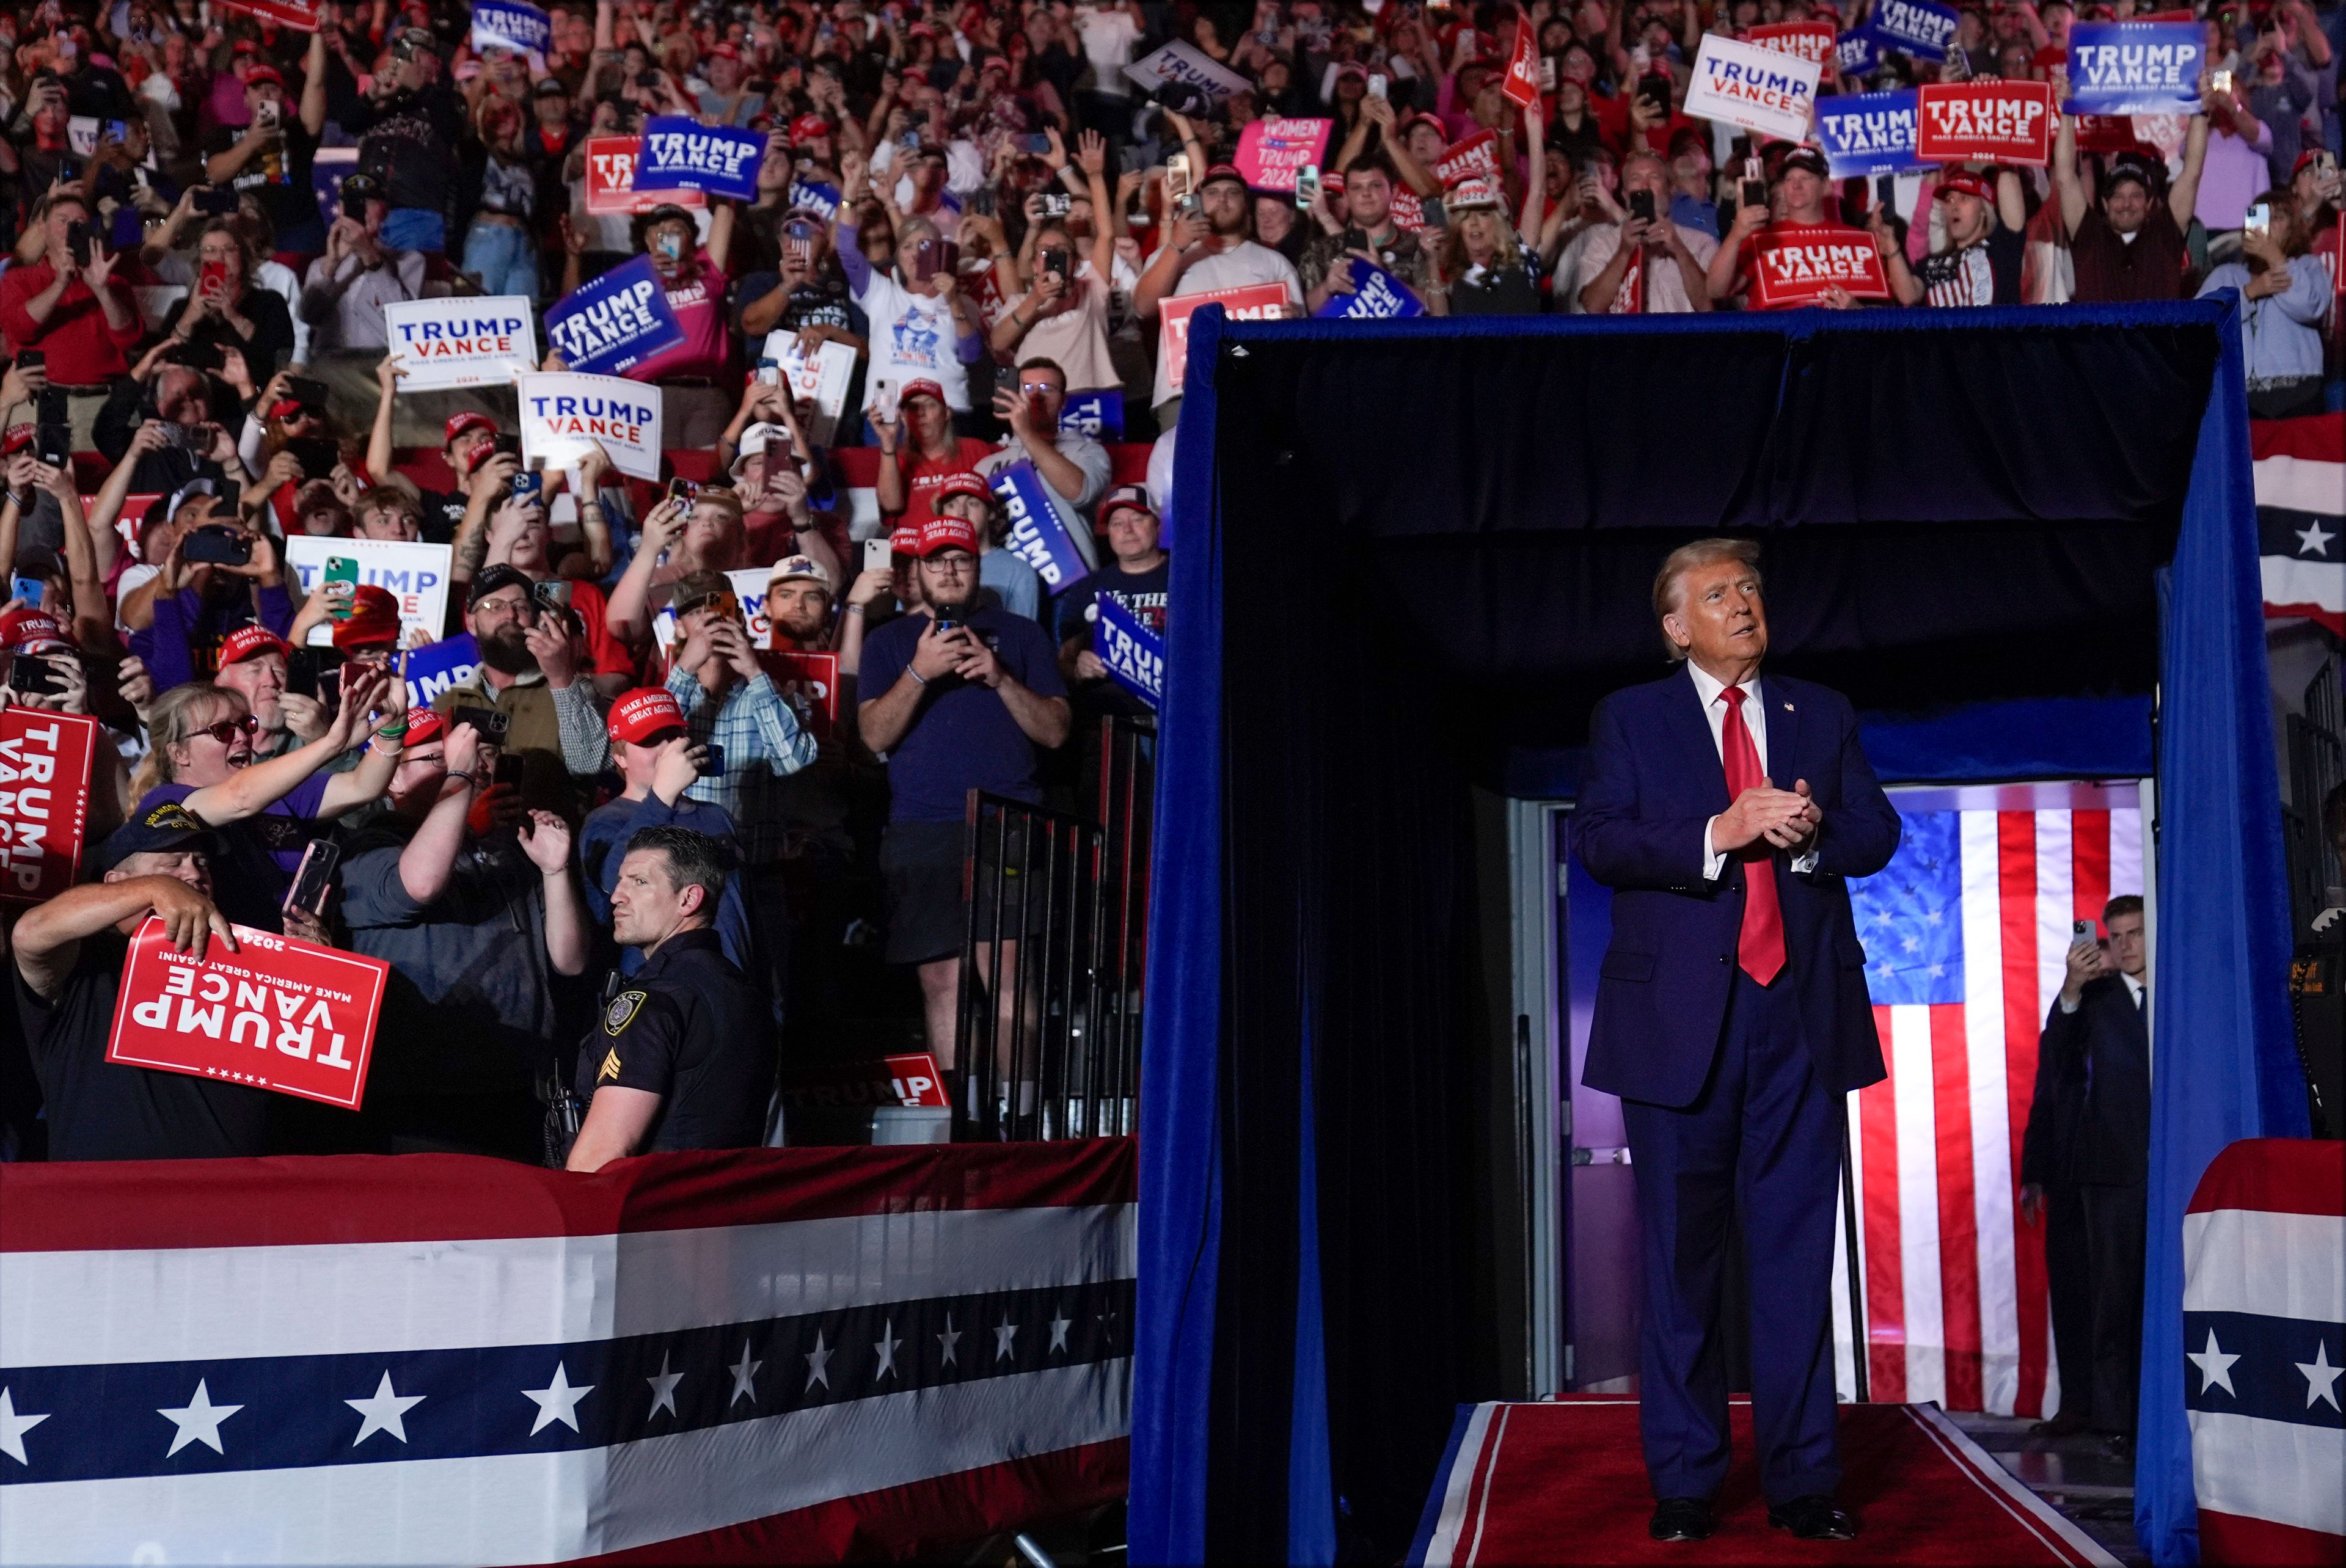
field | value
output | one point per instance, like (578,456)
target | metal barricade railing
(1048,1028)
(2316,745)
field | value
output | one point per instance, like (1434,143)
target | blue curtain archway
(1411,555)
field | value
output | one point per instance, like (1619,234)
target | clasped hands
(1786,818)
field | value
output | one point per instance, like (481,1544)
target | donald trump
(1727,812)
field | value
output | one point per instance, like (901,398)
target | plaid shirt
(763,744)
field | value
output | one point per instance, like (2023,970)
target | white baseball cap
(757,438)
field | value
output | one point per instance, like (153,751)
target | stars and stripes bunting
(1966,933)
(2301,479)
(2264,1343)
(441,1360)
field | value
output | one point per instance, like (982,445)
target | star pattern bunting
(2275,1369)
(1910,916)
(81,1423)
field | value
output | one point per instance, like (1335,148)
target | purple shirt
(2234,176)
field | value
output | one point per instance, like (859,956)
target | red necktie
(1760,949)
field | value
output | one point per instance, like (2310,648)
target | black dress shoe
(1680,1519)
(1813,1519)
(2063,1425)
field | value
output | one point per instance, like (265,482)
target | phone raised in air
(1307,185)
(314,879)
(878,555)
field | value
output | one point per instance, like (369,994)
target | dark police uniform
(693,1030)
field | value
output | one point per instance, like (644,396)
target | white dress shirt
(2133,995)
(1755,723)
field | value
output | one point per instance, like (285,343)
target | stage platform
(1563,1481)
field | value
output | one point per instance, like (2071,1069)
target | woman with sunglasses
(266,812)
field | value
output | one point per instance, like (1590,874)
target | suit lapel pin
(1788,707)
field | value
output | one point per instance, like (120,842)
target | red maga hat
(643,713)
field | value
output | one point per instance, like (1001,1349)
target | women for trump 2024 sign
(277,1014)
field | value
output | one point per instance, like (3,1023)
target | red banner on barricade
(908,1080)
(301,15)
(1800,264)
(1985,121)
(611,180)
(1253,302)
(277,1014)
(45,763)
(812,677)
(1810,41)
(1468,156)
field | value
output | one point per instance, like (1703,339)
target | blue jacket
(1655,778)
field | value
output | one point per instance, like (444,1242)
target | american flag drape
(2300,478)
(1966,933)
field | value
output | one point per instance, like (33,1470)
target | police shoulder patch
(623,1010)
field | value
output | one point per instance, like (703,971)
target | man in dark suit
(2082,1168)
(1732,1019)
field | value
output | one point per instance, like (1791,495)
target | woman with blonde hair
(200,756)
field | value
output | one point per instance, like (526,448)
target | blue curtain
(1412,551)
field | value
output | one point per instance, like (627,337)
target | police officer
(685,1058)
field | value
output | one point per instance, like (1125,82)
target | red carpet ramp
(1563,1482)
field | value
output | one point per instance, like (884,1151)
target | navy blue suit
(1732,1090)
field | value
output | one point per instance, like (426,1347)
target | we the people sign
(44,761)
(277,1014)
(1986,121)
(1801,264)
(461,342)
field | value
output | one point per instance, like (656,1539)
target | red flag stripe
(2016,852)
(2315,438)
(2090,862)
(1959,1265)
(1885,1272)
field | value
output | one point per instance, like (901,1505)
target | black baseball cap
(359,187)
(493,578)
(550,87)
(163,828)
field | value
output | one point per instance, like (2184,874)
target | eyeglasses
(227,729)
(951,566)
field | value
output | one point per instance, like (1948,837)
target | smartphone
(647,78)
(119,130)
(53,443)
(264,115)
(78,243)
(211,275)
(216,201)
(1641,205)
(34,674)
(342,569)
(28,589)
(1057,204)
(1378,84)
(1885,191)
(948,620)
(681,489)
(305,392)
(770,371)
(2083,930)
(305,668)
(509,768)
(1307,185)
(314,879)
(488,723)
(316,454)
(1055,263)
(877,556)
(1755,188)
(32,359)
(529,489)
(2221,81)
(509,445)
(1655,90)
(1547,73)
(2259,220)
(50,406)
(1177,180)
(713,763)
(554,592)
(885,401)
(1038,144)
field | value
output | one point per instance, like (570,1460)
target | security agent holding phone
(2081,1170)
(683,1058)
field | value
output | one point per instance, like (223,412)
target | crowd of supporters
(995,207)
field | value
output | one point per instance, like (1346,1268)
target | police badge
(622,1011)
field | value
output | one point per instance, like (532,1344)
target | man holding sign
(70,953)
(2130,246)
(1209,247)
(1804,185)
